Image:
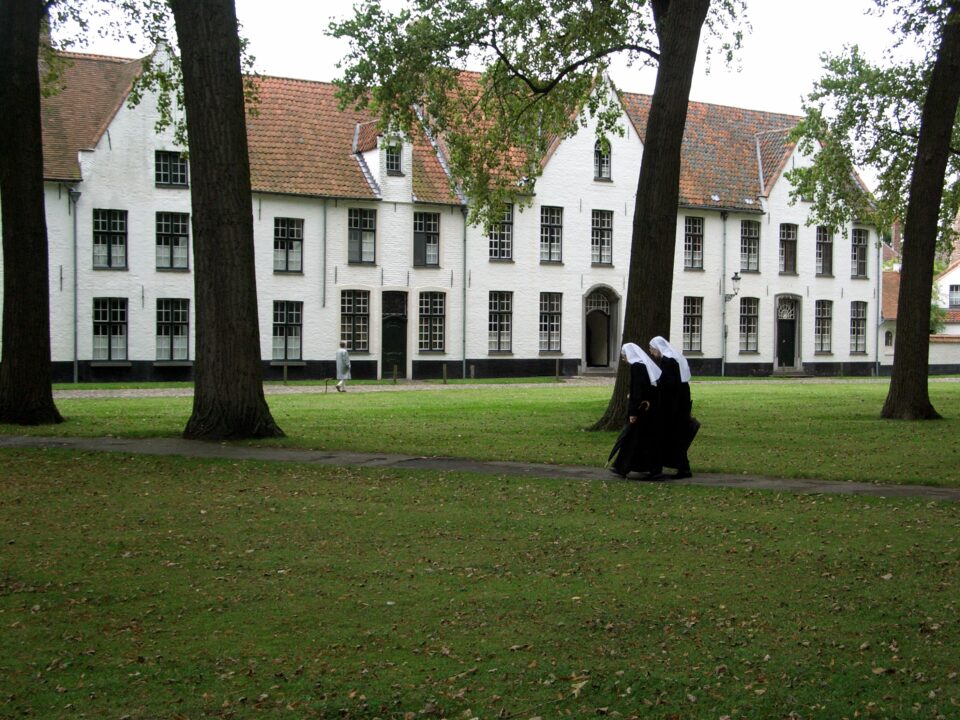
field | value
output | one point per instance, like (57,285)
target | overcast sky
(778,65)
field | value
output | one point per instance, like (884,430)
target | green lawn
(168,588)
(830,431)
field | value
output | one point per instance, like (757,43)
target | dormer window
(394,166)
(601,160)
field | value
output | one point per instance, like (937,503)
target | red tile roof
(92,89)
(952,316)
(728,153)
(891,294)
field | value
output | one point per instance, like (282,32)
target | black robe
(675,407)
(637,449)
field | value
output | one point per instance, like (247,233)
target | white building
(361,240)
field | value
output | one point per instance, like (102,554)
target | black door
(393,334)
(786,342)
(598,332)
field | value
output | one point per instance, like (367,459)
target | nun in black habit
(679,427)
(638,446)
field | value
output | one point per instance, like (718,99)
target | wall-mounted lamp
(735,284)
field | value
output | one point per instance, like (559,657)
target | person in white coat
(343,367)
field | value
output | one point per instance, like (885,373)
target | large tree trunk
(908,397)
(26,397)
(650,283)
(228,397)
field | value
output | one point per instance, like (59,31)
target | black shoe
(681,475)
(617,473)
(654,476)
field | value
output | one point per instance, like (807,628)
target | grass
(830,431)
(166,588)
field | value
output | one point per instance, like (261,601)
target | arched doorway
(599,321)
(788,317)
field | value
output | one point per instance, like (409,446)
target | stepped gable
(729,153)
(301,143)
(92,90)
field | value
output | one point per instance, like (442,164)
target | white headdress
(635,354)
(668,350)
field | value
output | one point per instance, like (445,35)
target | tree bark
(26,397)
(908,397)
(650,283)
(228,400)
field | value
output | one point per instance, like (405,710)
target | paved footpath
(196,449)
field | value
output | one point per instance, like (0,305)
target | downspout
(323,259)
(723,297)
(74,196)
(463,298)
(876,350)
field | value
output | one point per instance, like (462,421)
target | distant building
(360,238)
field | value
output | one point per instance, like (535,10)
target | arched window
(601,160)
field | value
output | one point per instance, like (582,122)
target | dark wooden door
(393,334)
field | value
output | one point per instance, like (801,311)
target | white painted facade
(118,173)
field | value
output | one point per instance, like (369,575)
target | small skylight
(748,201)
(715,198)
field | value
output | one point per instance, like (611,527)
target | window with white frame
(170,168)
(824,250)
(788,248)
(750,245)
(287,244)
(173,241)
(551,314)
(173,329)
(693,243)
(859,239)
(601,237)
(501,236)
(954,296)
(692,324)
(109,329)
(858,327)
(432,321)
(355,319)
(601,160)
(551,234)
(362,235)
(823,327)
(749,324)
(500,321)
(287,330)
(110,238)
(393,159)
(426,239)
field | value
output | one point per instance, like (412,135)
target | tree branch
(914,136)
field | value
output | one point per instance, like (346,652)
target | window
(287,244)
(750,245)
(362,235)
(551,234)
(170,168)
(749,323)
(601,237)
(432,321)
(393,156)
(693,243)
(500,321)
(601,160)
(551,311)
(501,237)
(109,238)
(287,329)
(426,239)
(824,250)
(823,329)
(173,329)
(173,240)
(109,328)
(954,298)
(355,319)
(692,323)
(858,253)
(888,339)
(788,249)
(858,327)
